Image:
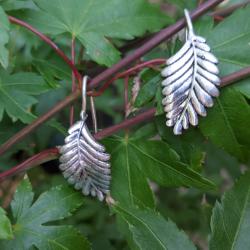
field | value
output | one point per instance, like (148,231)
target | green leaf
(188,146)
(92,21)
(4,38)
(134,160)
(5,226)
(99,48)
(17,4)
(22,199)
(229,41)
(52,69)
(227,124)
(204,25)
(16,94)
(148,90)
(159,97)
(231,218)
(151,231)
(129,183)
(243,87)
(163,165)
(29,229)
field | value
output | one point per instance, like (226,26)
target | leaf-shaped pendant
(84,162)
(191,80)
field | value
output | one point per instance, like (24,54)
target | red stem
(38,122)
(50,43)
(51,154)
(35,160)
(73,88)
(126,101)
(128,72)
(218,18)
(143,117)
(229,10)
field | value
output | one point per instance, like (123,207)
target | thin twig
(50,43)
(35,160)
(38,122)
(73,88)
(229,10)
(126,83)
(53,153)
(128,72)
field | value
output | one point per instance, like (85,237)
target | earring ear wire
(93,114)
(189,22)
(84,93)
(92,103)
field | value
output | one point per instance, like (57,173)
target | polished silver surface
(191,77)
(83,160)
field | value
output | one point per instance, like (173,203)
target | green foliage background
(171,192)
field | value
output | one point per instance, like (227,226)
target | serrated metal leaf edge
(191,77)
(84,162)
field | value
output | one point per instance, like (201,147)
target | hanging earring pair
(191,79)
(84,162)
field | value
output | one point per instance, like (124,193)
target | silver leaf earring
(84,162)
(191,80)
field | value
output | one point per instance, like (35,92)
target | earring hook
(84,103)
(93,113)
(189,23)
(84,93)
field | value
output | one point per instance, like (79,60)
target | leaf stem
(53,153)
(229,10)
(126,83)
(50,43)
(38,122)
(35,160)
(126,101)
(73,88)
(128,72)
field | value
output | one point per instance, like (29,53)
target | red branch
(128,72)
(50,43)
(73,88)
(38,122)
(126,96)
(51,154)
(35,160)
